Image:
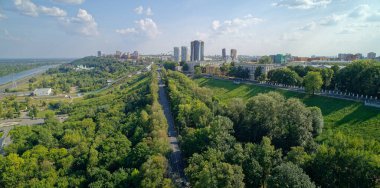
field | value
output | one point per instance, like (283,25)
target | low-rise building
(265,68)
(43,92)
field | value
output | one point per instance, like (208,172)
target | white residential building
(43,92)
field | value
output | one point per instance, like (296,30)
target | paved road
(5,138)
(175,161)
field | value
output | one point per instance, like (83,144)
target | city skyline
(76,28)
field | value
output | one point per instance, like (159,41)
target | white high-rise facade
(185,54)
(177,54)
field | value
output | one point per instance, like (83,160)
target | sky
(77,28)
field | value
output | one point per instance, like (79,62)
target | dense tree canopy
(104,143)
(313,82)
(284,76)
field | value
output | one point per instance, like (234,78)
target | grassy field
(349,117)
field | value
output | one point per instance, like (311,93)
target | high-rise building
(197,50)
(135,55)
(99,53)
(371,55)
(279,59)
(118,54)
(177,54)
(358,56)
(224,54)
(184,54)
(233,54)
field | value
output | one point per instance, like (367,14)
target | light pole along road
(175,160)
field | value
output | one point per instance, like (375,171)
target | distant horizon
(62,28)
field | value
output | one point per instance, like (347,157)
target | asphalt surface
(175,160)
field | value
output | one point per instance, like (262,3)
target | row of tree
(360,77)
(267,141)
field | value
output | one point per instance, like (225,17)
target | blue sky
(77,28)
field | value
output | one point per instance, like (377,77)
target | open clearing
(349,117)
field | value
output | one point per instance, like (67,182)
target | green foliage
(259,161)
(94,147)
(258,72)
(346,161)
(61,79)
(360,77)
(313,82)
(170,65)
(349,117)
(288,122)
(207,139)
(265,60)
(33,112)
(154,173)
(10,108)
(208,170)
(9,67)
(284,76)
(238,72)
(317,120)
(289,175)
(197,71)
(185,67)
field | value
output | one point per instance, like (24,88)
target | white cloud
(366,13)
(302,4)
(84,24)
(308,27)
(347,31)
(2,16)
(149,27)
(362,11)
(234,25)
(144,26)
(149,12)
(70,1)
(374,17)
(202,36)
(52,11)
(291,36)
(28,8)
(215,24)
(126,31)
(333,19)
(139,10)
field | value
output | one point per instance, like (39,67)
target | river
(17,76)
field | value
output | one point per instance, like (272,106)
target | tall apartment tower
(99,53)
(177,54)
(197,50)
(185,54)
(233,54)
(371,55)
(224,54)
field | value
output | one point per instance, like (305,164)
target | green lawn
(350,117)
